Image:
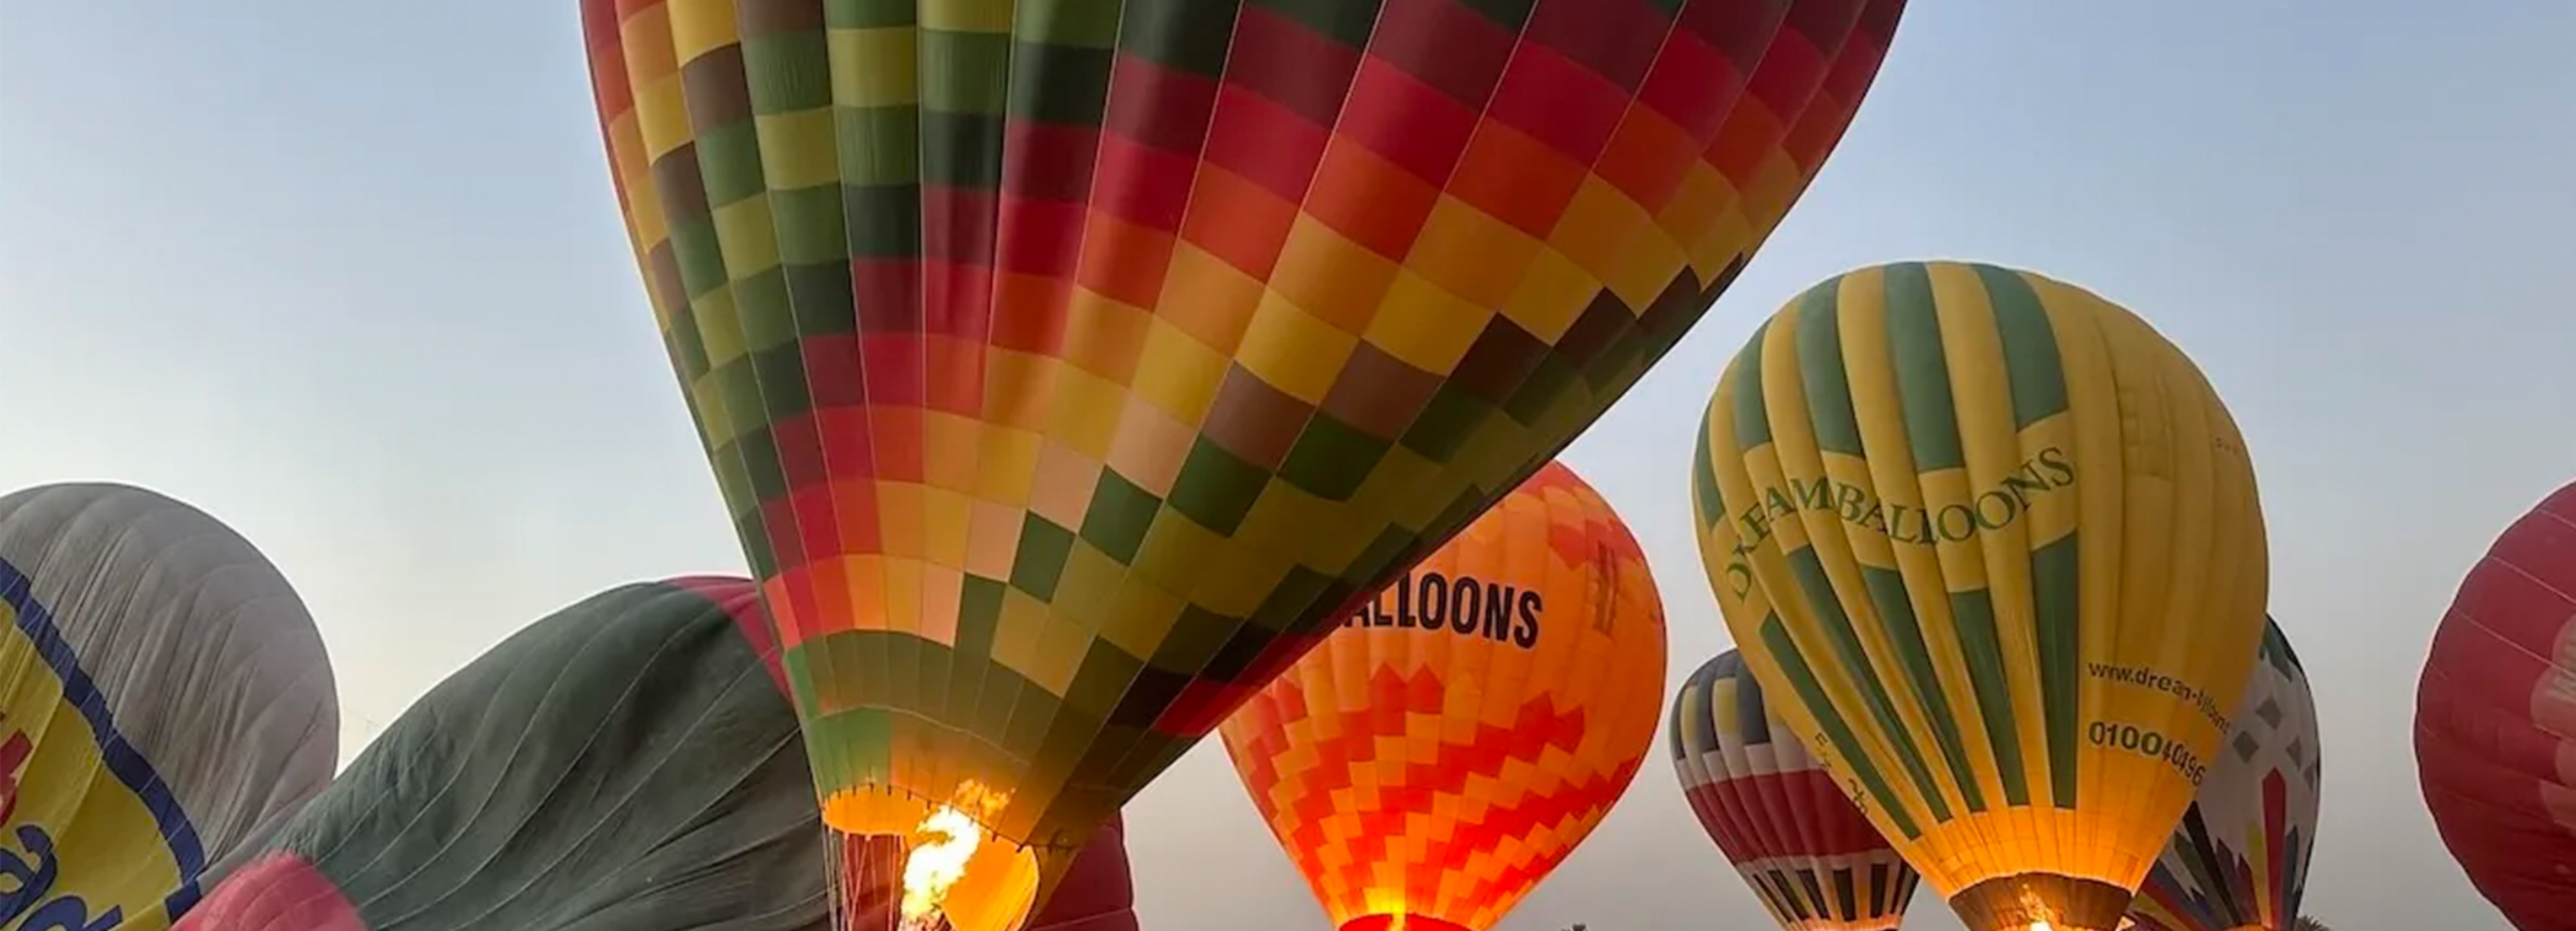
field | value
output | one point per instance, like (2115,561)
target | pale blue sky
(350,277)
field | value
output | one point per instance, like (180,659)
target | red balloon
(2495,712)
(1099,894)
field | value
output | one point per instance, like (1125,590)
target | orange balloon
(1430,763)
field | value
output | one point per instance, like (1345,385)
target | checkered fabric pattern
(1070,366)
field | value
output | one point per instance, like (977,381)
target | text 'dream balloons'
(2239,859)
(1456,738)
(2495,720)
(1814,860)
(1069,365)
(628,763)
(1993,545)
(165,704)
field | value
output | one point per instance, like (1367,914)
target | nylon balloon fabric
(657,785)
(1440,754)
(2239,859)
(2495,711)
(1099,891)
(624,764)
(1993,546)
(165,704)
(1813,859)
(1068,366)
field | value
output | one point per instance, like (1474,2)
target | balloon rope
(867,884)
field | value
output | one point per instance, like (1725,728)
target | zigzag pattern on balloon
(1541,727)
(1415,769)
(2239,857)
(2205,899)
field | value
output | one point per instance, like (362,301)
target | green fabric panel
(624,764)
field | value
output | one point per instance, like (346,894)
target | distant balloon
(1993,545)
(2495,720)
(1812,857)
(629,763)
(1077,362)
(165,703)
(1442,752)
(2239,860)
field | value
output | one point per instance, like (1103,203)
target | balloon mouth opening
(910,864)
(1399,921)
(2041,902)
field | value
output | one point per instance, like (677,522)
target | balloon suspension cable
(901,882)
(867,894)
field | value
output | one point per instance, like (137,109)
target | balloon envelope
(1068,366)
(2239,859)
(1455,740)
(2494,712)
(165,703)
(1099,892)
(1993,546)
(1815,861)
(629,763)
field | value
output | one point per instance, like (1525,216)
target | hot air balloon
(1993,546)
(2494,712)
(1815,861)
(1068,366)
(2239,859)
(165,703)
(1451,744)
(628,763)
(1099,892)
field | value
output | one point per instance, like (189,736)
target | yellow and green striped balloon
(1995,546)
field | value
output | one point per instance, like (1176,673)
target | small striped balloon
(1807,851)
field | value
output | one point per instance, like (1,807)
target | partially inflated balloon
(2495,720)
(1442,752)
(1993,545)
(2239,860)
(165,703)
(1099,892)
(1817,864)
(1069,365)
(626,764)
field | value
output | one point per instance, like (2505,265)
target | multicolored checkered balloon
(1069,366)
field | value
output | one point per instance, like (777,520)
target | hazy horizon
(355,284)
